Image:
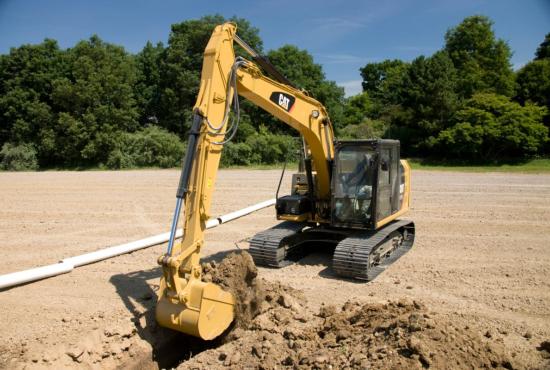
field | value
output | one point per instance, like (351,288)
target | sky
(341,35)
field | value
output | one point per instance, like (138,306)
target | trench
(172,352)
(166,348)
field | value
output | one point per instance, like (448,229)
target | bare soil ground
(481,264)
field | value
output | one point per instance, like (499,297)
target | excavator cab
(366,179)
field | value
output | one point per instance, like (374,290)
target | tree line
(96,105)
(463,102)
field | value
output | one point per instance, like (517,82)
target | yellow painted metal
(296,218)
(186,303)
(206,314)
(405,205)
(308,117)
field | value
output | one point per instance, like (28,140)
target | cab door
(387,201)
(353,184)
(383,204)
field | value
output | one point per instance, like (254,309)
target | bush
(268,148)
(368,129)
(236,154)
(263,147)
(490,126)
(156,147)
(18,157)
(149,147)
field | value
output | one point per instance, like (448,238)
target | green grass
(540,165)
(275,166)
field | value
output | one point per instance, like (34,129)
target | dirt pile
(396,335)
(237,273)
(276,330)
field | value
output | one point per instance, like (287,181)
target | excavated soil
(275,330)
(475,288)
(238,275)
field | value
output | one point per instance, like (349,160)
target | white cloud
(327,30)
(338,23)
(352,87)
(340,58)
(413,48)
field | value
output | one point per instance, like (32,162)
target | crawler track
(273,247)
(359,255)
(356,256)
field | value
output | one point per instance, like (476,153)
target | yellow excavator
(348,193)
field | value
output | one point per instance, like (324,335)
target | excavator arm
(185,302)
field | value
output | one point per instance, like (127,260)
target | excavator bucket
(205,313)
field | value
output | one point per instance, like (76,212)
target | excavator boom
(185,302)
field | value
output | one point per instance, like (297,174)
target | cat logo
(283,100)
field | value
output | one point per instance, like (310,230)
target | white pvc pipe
(25,276)
(245,211)
(213,222)
(68,264)
(85,259)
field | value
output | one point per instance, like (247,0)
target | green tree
(482,61)
(181,65)
(533,83)
(533,79)
(270,148)
(26,76)
(381,79)
(366,129)
(414,100)
(357,123)
(490,126)
(543,51)
(385,84)
(148,79)
(429,98)
(95,102)
(357,109)
(299,67)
